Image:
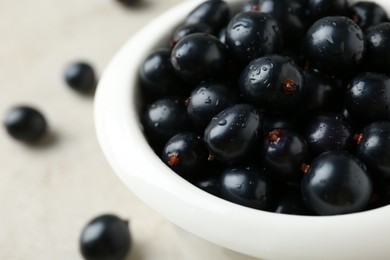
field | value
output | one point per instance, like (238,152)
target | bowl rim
(242,229)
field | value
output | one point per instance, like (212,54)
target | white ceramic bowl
(252,232)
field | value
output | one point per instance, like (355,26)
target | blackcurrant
(105,237)
(232,134)
(273,83)
(374,149)
(366,14)
(186,154)
(334,45)
(25,123)
(283,153)
(335,183)
(215,13)
(250,35)
(368,98)
(247,186)
(80,76)
(207,100)
(200,57)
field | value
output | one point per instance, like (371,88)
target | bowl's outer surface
(261,234)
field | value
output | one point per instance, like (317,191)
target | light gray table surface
(49,192)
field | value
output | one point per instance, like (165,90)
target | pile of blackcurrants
(277,105)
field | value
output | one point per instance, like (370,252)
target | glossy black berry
(368,98)
(336,183)
(377,57)
(157,75)
(25,123)
(232,133)
(317,9)
(327,133)
(80,76)
(215,13)
(200,57)
(247,186)
(187,29)
(186,154)
(105,237)
(334,45)
(283,153)
(206,101)
(272,83)
(366,14)
(374,149)
(164,118)
(250,35)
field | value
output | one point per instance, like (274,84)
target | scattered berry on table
(106,237)
(25,123)
(80,76)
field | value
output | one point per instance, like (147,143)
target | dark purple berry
(250,35)
(273,83)
(25,123)
(328,132)
(206,101)
(80,76)
(200,57)
(247,186)
(232,133)
(373,149)
(186,154)
(215,13)
(336,183)
(105,237)
(366,14)
(368,98)
(334,45)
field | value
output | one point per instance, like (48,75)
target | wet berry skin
(336,183)
(232,134)
(334,45)
(164,118)
(247,186)
(273,83)
(105,237)
(377,58)
(283,153)
(187,29)
(366,14)
(157,75)
(25,123)
(186,154)
(214,13)
(207,100)
(368,98)
(374,149)
(250,35)
(80,76)
(328,132)
(200,57)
